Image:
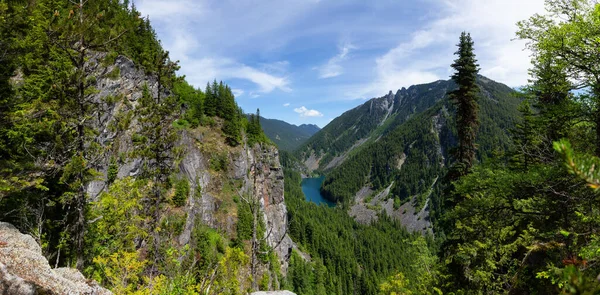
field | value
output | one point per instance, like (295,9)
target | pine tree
(210,107)
(465,99)
(55,121)
(232,124)
(156,139)
(526,137)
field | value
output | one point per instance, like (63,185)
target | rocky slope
(25,271)
(215,171)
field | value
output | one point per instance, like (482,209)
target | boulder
(25,271)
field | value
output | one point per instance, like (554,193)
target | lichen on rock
(25,271)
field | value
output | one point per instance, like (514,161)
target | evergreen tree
(156,139)
(465,98)
(526,137)
(54,121)
(210,101)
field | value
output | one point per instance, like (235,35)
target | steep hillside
(392,157)
(287,136)
(330,146)
(216,173)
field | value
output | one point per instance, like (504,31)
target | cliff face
(268,184)
(213,188)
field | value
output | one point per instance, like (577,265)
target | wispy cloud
(179,20)
(286,104)
(304,112)
(237,92)
(224,68)
(279,50)
(333,67)
(426,56)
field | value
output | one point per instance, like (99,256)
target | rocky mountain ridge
(389,153)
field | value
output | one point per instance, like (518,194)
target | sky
(308,61)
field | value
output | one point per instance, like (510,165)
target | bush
(182,191)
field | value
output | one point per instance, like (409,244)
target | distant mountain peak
(285,135)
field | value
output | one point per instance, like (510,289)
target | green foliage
(583,166)
(395,285)
(182,191)
(562,41)
(119,221)
(192,100)
(231,264)
(254,130)
(465,99)
(245,222)
(113,170)
(219,161)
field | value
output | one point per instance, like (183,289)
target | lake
(311,189)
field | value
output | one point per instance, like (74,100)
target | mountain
(390,152)
(310,128)
(287,136)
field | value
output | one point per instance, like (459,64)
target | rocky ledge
(24,270)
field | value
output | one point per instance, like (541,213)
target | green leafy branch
(583,166)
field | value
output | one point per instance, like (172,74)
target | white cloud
(237,92)
(200,71)
(427,55)
(304,112)
(286,104)
(333,67)
(178,21)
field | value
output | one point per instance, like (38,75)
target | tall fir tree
(210,101)
(156,140)
(465,99)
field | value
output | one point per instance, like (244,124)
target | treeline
(348,257)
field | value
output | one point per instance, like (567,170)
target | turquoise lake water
(311,189)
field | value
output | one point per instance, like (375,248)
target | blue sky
(309,61)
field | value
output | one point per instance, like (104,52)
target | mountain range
(391,152)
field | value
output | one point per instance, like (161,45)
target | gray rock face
(204,202)
(269,188)
(25,271)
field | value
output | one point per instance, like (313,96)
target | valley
(158,148)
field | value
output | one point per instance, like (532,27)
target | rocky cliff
(216,172)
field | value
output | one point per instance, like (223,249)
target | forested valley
(118,176)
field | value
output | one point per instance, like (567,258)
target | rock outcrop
(24,270)
(123,82)
(266,174)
